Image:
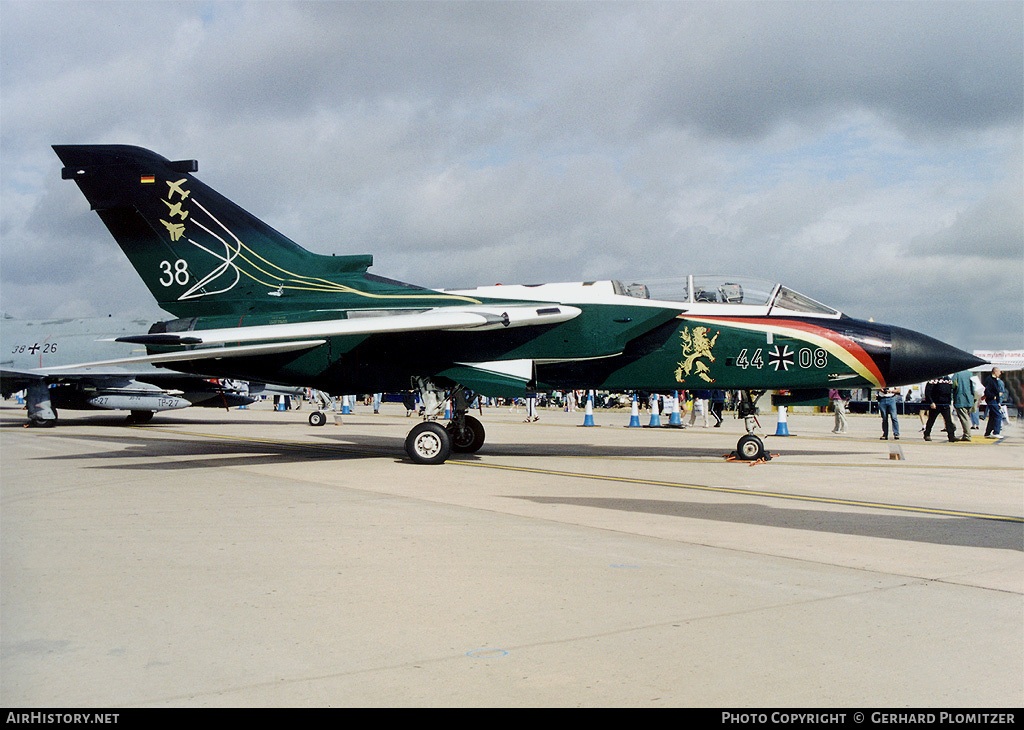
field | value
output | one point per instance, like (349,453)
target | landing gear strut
(750,447)
(41,413)
(320,401)
(431,443)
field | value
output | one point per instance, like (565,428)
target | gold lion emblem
(696,348)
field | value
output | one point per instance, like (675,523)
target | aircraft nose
(916,358)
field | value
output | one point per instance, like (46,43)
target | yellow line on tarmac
(353,449)
(622,480)
(903,464)
(747,492)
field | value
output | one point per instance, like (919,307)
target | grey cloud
(924,66)
(467,143)
(731,69)
(992,229)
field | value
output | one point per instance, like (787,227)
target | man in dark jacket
(938,394)
(994,393)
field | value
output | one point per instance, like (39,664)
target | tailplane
(200,254)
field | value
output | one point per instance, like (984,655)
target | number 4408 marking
(806,358)
(174,274)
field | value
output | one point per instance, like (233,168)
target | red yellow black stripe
(844,348)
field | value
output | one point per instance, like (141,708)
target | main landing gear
(431,443)
(41,413)
(317,418)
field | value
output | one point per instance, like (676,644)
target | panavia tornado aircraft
(42,358)
(253,305)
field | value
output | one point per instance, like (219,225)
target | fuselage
(722,333)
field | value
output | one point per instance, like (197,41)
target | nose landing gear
(750,447)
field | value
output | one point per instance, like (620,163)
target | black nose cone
(916,358)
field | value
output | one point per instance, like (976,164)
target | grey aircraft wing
(76,364)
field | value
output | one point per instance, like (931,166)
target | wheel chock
(763,460)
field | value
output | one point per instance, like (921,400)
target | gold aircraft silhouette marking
(175,210)
(175,187)
(177,230)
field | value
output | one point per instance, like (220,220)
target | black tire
(470,439)
(750,448)
(428,443)
(317,418)
(136,417)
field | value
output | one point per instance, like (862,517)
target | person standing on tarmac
(531,408)
(979,395)
(938,394)
(994,391)
(963,401)
(840,410)
(700,405)
(887,408)
(717,404)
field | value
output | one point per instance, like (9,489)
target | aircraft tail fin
(201,254)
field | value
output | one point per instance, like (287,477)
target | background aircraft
(251,304)
(40,357)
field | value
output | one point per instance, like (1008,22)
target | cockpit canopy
(695,294)
(726,290)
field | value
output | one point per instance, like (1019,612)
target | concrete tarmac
(245,558)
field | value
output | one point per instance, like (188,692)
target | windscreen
(796,302)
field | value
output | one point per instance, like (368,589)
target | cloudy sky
(868,154)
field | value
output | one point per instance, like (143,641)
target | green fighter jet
(253,305)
